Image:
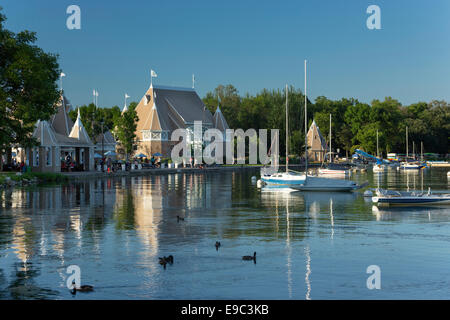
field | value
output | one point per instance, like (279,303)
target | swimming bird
(163,262)
(166,260)
(83,288)
(179,218)
(169,259)
(250,257)
(217,245)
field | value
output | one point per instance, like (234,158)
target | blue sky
(250,44)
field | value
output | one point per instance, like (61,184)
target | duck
(163,262)
(83,288)
(179,219)
(169,259)
(166,260)
(250,257)
(217,245)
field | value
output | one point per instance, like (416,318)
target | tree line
(354,123)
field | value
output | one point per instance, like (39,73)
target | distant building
(317,145)
(104,143)
(165,109)
(59,137)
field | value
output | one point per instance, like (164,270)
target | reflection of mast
(307,274)
(331,218)
(289,250)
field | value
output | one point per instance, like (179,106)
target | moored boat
(284,179)
(333,172)
(403,198)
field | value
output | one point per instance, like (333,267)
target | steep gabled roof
(45,134)
(313,132)
(107,139)
(79,132)
(61,121)
(169,108)
(219,121)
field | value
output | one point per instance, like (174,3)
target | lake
(309,245)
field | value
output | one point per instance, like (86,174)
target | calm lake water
(309,245)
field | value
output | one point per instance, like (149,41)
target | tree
(125,129)
(93,117)
(28,90)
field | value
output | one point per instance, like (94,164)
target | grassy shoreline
(14,178)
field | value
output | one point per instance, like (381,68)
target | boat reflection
(439,213)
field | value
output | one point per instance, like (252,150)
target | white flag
(95,93)
(153,74)
(126,96)
(62,74)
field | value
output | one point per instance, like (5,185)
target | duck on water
(248,258)
(83,288)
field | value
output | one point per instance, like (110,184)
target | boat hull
(286,180)
(326,184)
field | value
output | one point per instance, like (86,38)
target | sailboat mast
(306,130)
(406,144)
(378,154)
(329,159)
(421,151)
(287,128)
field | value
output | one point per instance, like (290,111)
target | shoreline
(22,180)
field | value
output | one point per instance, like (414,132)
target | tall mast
(378,154)
(306,130)
(421,151)
(287,128)
(406,144)
(329,159)
(414,152)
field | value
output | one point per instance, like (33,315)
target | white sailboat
(319,183)
(331,171)
(410,165)
(284,179)
(378,167)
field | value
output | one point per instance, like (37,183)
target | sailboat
(378,167)
(318,183)
(288,178)
(332,170)
(410,165)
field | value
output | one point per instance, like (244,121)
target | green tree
(28,89)
(125,129)
(93,117)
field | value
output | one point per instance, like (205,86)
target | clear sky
(252,44)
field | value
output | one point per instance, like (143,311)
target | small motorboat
(411,165)
(406,198)
(379,168)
